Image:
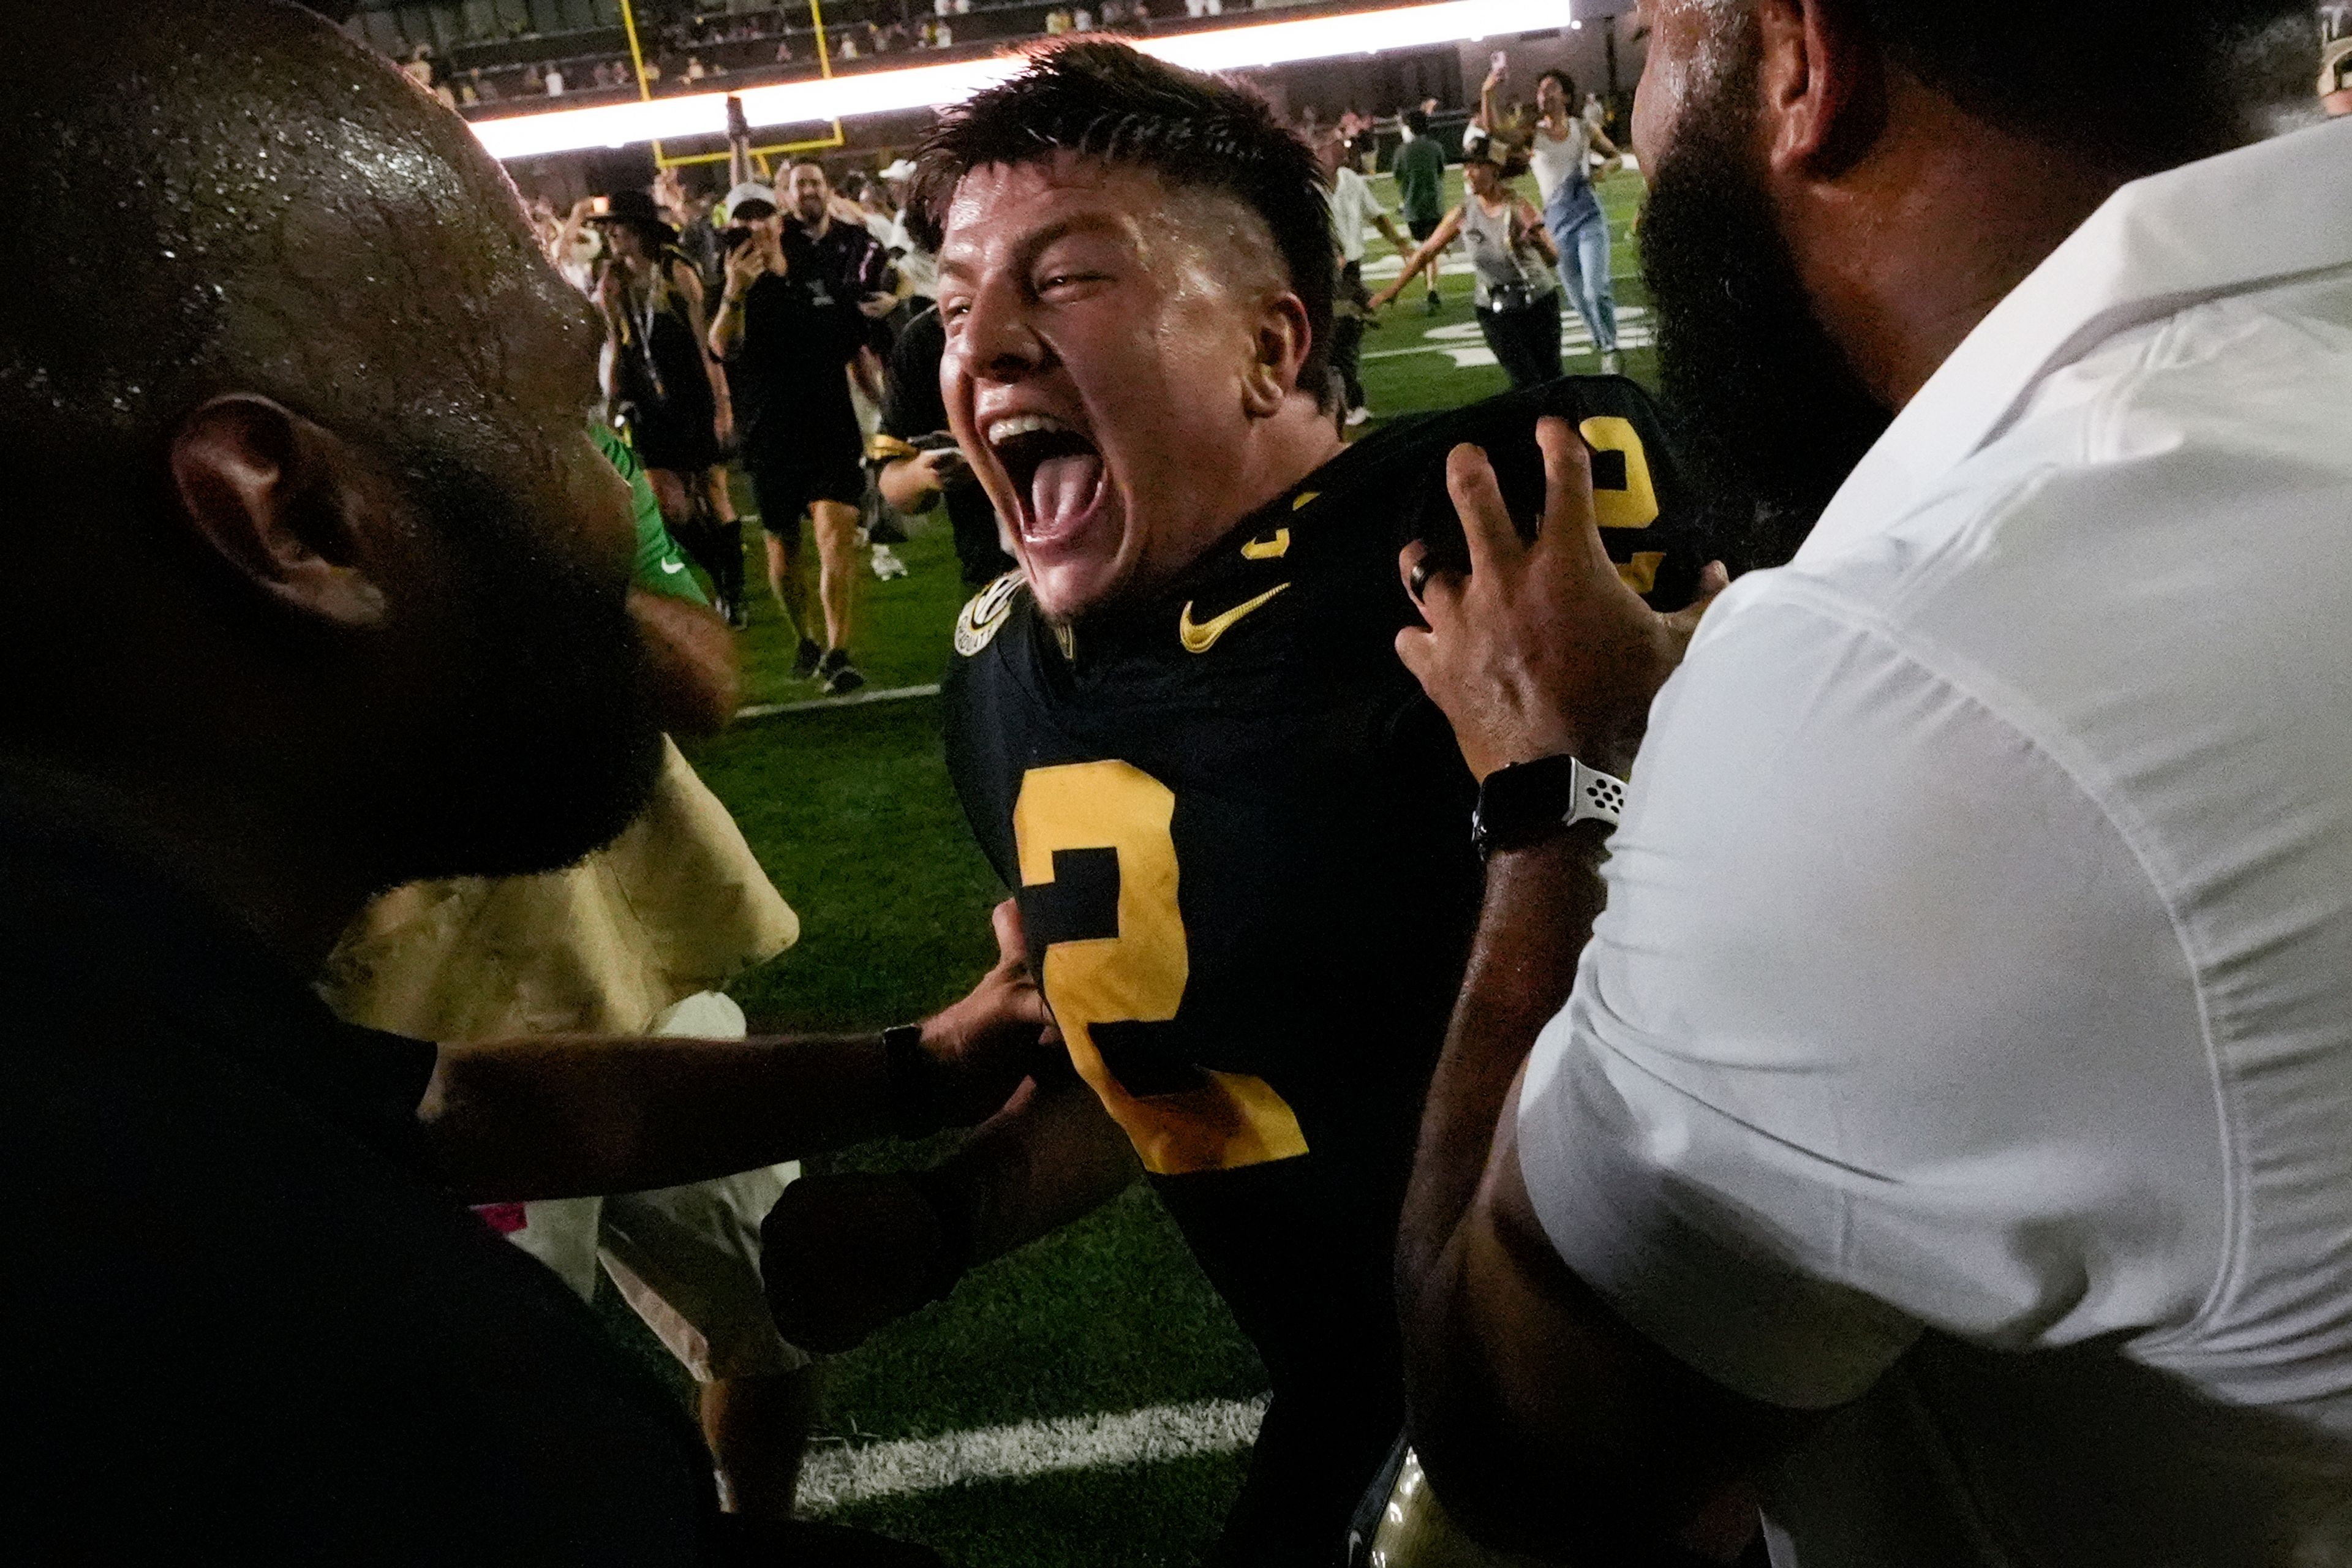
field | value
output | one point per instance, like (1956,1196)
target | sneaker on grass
(837,675)
(1358,416)
(807,663)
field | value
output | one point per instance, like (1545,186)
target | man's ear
(274,497)
(1823,78)
(1281,346)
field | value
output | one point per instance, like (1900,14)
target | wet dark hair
(2141,84)
(1106,101)
(1566,84)
(1417,121)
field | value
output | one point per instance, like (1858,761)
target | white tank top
(1555,162)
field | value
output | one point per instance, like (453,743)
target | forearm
(570,1115)
(1541,904)
(1413,266)
(726,326)
(1051,1156)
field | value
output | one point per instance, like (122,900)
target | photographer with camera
(1515,290)
(787,335)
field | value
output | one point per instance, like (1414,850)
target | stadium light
(924,87)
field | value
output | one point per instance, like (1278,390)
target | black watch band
(1528,802)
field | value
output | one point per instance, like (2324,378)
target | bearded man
(1927,1142)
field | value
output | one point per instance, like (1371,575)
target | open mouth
(1056,471)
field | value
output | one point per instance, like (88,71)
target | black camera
(735,238)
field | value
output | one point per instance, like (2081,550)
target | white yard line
(837,1478)
(855,699)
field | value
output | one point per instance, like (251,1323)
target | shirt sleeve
(660,567)
(1885,1028)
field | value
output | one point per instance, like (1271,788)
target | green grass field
(850,811)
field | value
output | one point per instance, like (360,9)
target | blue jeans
(1580,229)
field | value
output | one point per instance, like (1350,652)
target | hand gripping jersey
(1239,834)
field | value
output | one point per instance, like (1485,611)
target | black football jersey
(1240,837)
(1237,830)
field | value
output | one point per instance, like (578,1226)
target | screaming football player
(1238,835)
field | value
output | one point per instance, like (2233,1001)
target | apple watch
(1528,801)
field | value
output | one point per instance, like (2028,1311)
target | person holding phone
(1514,290)
(1562,155)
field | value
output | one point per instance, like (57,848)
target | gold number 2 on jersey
(1140,973)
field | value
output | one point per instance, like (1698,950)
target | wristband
(913,1081)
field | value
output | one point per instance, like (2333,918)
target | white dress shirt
(1969,1031)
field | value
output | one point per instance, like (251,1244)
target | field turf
(850,811)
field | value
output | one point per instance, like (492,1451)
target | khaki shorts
(687,1259)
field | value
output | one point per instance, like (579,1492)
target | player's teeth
(1004,430)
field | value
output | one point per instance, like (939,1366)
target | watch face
(1520,805)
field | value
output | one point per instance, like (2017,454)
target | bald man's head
(244,196)
(282,356)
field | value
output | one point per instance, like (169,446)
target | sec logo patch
(986,615)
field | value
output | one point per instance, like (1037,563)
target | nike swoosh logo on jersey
(1201,637)
(672,567)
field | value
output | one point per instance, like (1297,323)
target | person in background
(917,268)
(577,246)
(917,461)
(1354,208)
(692,214)
(661,376)
(1561,151)
(1513,291)
(1419,169)
(788,336)
(855,264)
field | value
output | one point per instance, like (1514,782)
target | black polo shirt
(246,1323)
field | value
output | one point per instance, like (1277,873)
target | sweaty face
(1773,407)
(537,743)
(1100,326)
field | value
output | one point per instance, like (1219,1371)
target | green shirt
(1419,169)
(661,566)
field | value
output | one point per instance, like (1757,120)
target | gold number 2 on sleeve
(1138,973)
(1635,506)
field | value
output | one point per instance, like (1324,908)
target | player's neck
(1286,447)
